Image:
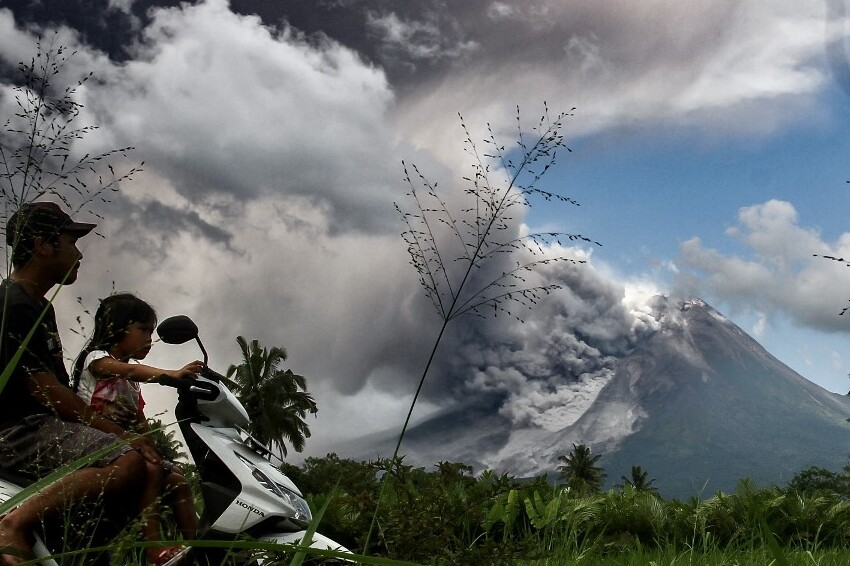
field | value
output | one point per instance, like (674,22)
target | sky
(707,152)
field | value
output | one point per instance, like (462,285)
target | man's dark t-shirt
(19,312)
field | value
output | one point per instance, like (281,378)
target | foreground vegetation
(449,516)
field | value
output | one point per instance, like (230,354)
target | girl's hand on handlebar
(190,370)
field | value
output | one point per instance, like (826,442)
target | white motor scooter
(243,493)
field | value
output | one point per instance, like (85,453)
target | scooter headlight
(302,510)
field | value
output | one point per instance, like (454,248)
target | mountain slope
(719,407)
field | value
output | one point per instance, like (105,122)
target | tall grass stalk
(478,237)
(474,259)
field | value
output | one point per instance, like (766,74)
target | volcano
(698,404)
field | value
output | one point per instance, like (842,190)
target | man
(43,423)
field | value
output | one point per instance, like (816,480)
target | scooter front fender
(317,541)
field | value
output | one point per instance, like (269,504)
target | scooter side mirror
(177,329)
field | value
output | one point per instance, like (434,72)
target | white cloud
(772,230)
(587,53)
(417,39)
(501,10)
(778,272)
(226,106)
(768,51)
(760,325)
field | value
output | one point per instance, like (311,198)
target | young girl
(107,376)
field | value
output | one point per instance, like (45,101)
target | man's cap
(43,219)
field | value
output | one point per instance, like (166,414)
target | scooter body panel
(266,493)
(225,411)
(318,541)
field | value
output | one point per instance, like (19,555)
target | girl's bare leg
(183,503)
(149,506)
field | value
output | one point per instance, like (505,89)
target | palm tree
(165,440)
(276,400)
(579,470)
(640,480)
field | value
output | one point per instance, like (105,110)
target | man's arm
(48,391)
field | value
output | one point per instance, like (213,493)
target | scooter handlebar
(174,382)
(212,374)
(182,383)
(200,389)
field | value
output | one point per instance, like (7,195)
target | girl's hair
(113,317)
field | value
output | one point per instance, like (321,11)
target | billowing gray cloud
(550,367)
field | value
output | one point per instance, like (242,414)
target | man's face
(66,258)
